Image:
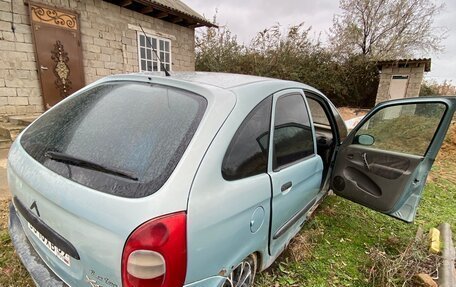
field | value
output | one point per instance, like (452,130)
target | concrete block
(86,39)
(107,50)
(5,6)
(111,65)
(100,42)
(18,101)
(30,109)
(23,28)
(17,18)
(8,92)
(8,36)
(102,72)
(23,92)
(27,65)
(7,46)
(35,100)
(29,92)
(39,109)
(19,7)
(27,37)
(10,110)
(22,74)
(5,16)
(105,57)
(93,48)
(5,26)
(20,110)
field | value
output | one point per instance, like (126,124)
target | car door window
(406,128)
(293,138)
(318,113)
(247,154)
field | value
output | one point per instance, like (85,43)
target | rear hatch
(87,173)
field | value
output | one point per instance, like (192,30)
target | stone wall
(415,75)
(109,46)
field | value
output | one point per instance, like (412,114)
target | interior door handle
(366,164)
(286,186)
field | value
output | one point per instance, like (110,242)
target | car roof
(235,84)
(220,80)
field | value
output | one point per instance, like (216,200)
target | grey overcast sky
(246,17)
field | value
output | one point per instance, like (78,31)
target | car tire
(243,275)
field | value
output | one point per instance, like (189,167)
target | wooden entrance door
(58,52)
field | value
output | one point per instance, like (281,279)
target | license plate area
(60,254)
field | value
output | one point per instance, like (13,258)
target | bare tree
(383,29)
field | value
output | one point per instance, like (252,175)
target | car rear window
(139,128)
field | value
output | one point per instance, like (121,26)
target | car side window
(403,128)
(318,113)
(247,154)
(293,138)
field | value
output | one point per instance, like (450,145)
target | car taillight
(155,254)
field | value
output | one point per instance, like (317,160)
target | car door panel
(305,178)
(388,175)
(370,172)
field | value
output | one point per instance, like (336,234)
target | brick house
(51,48)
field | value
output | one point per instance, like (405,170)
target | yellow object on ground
(434,236)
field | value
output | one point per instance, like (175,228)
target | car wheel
(243,274)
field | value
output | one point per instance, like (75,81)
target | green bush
(290,55)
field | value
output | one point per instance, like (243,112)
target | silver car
(202,179)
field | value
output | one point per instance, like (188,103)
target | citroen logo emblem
(34,206)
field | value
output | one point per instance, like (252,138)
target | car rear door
(295,168)
(384,162)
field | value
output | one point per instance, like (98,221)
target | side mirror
(364,139)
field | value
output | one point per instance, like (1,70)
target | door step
(5,143)
(22,120)
(10,130)
(11,127)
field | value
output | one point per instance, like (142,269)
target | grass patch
(12,272)
(346,234)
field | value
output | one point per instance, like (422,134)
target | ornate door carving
(58,52)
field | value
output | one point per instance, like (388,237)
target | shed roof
(174,11)
(407,63)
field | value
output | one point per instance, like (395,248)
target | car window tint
(404,128)
(247,154)
(293,139)
(139,128)
(318,114)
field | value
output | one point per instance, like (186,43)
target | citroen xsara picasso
(202,179)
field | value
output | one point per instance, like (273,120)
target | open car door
(384,162)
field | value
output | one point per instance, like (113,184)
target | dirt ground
(349,113)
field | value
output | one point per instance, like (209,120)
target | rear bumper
(41,274)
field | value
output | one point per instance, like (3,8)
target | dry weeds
(392,270)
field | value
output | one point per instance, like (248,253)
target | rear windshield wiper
(66,158)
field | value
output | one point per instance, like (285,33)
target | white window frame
(160,52)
